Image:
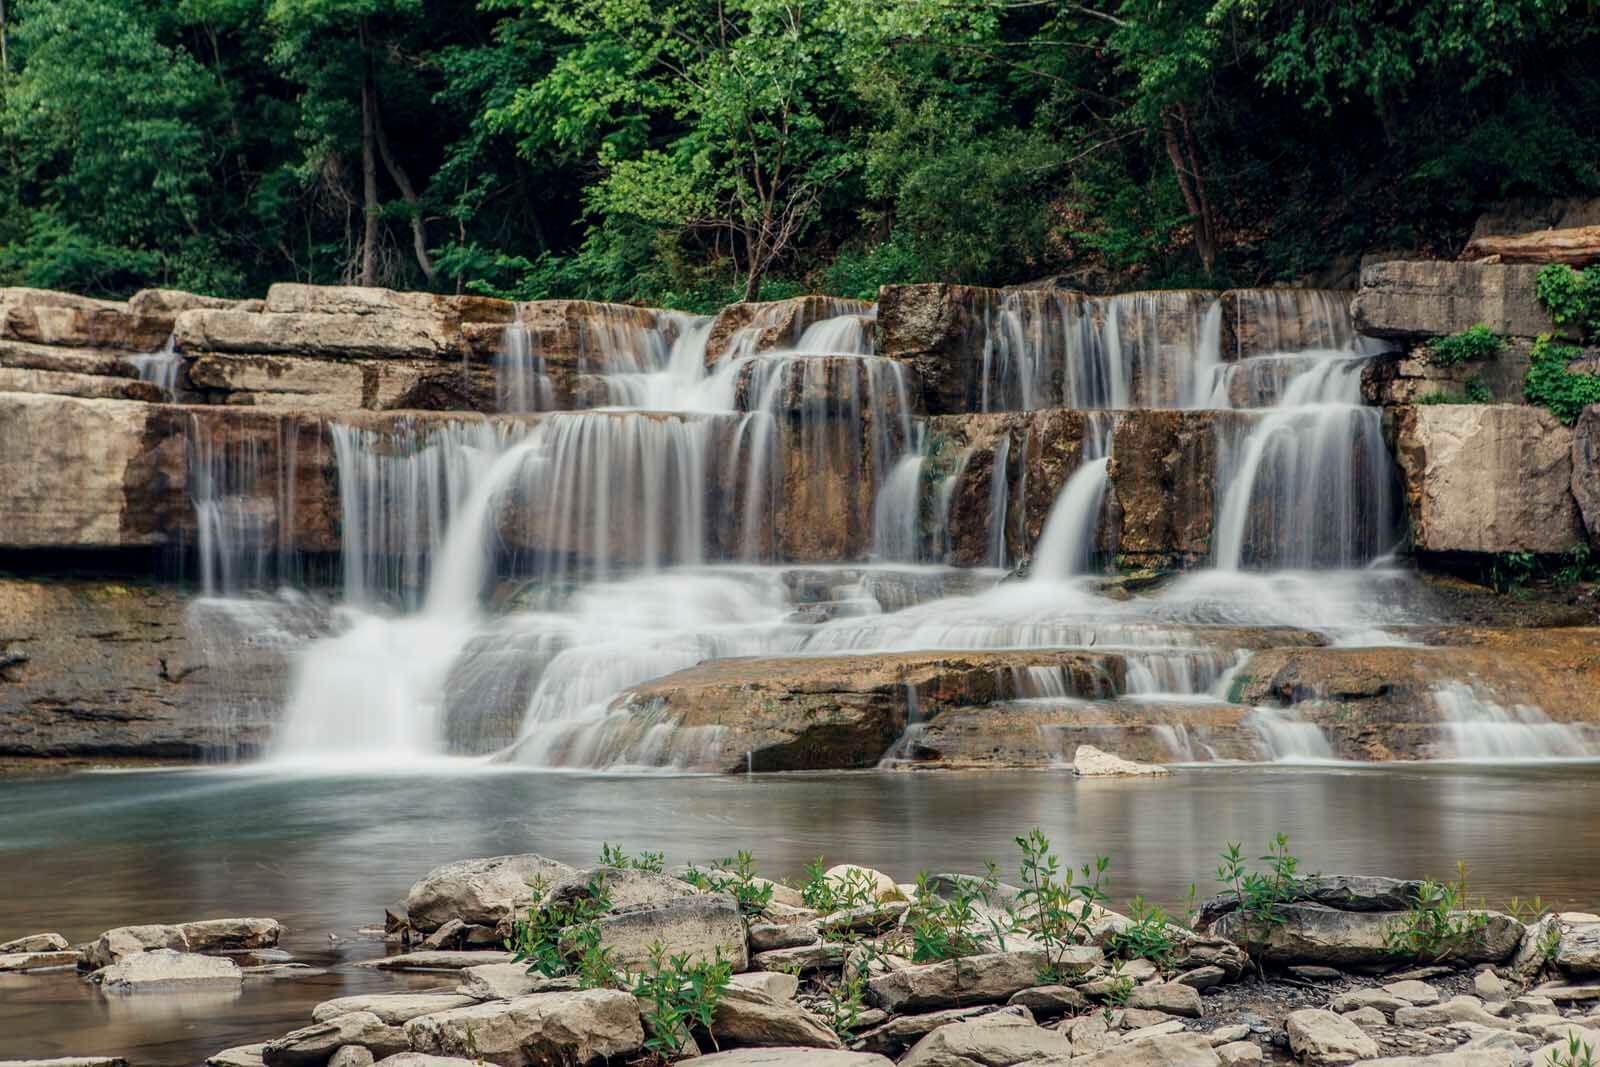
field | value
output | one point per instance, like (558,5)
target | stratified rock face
(1576,246)
(1259,322)
(828,711)
(1316,934)
(1387,382)
(1412,702)
(1410,299)
(1586,468)
(1482,478)
(1163,472)
(45,317)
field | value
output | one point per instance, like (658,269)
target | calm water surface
(324,853)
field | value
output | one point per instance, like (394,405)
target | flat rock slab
(980,979)
(161,970)
(996,1040)
(37,961)
(1091,762)
(1319,1038)
(35,943)
(701,927)
(747,1016)
(312,1046)
(502,981)
(580,1027)
(1343,892)
(1312,933)
(238,1056)
(1177,1050)
(802,960)
(435,961)
(902,1031)
(791,1057)
(391,1008)
(71,1061)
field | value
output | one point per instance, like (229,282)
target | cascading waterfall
(1067,542)
(1476,727)
(242,491)
(160,368)
(521,376)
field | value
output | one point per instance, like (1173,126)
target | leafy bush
(1475,342)
(1571,296)
(613,856)
(1550,384)
(1261,894)
(825,895)
(1436,926)
(1149,937)
(677,997)
(1579,1053)
(735,875)
(564,938)
(1053,908)
(844,1000)
(945,929)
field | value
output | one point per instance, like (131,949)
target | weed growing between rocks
(1149,937)
(563,938)
(823,894)
(1473,343)
(1436,926)
(613,856)
(676,998)
(1052,907)
(1578,1054)
(945,927)
(736,876)
(1261,894)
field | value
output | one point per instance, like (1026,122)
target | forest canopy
(692,152)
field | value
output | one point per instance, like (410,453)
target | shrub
(1436,925)
(677,997)
(946,928)
(563,939)
(1149,937)
(1475,342)
(1551,385)
(855,889)
(1261,895)
(1053,908)
(1572,297)
(613,856)
(735,875)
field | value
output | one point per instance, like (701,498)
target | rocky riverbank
(632,961)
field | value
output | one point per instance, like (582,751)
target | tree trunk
(1193,189)
(369,173)
(419,233)
(752,282)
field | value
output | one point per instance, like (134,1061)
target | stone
(1378,999)
(312,1046)
(502,981)
(118,944)
(1586,467)
(1311,933)
(1455,1010)
(238,1056)
(1089,1033)
(870,919)
(1173,998)
(703,927)
(589,1024)
(1320,1038)
(231,935)
(1225,1035)
(1176,1050)
(70,1061)
(435,961)
(1412,299)
(1091,762)
(278,971)
(1420,994)
(1239,1054)
(1163,474)
(625,887)
(791,1057)
(44,317)
(164,969)
(1482,1058)
(778,986)
(391,1008)
(36,961)
(1343,892)
(767,936)
(995,1040)
(481,891)
(1578,953)
(35,943)
(1562,1045)
(1568,992)
(979,979)
(1576,246)
(747,1016)
(422,1059)
(1367,1017)
(1489,986)
(1045,1000)
(802,960)
(1203,978)
(746,328)
(351,1056)
(1163,1029)
(1488,478)
(1141,1018)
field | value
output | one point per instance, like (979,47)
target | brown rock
(1407,299)
(1577,246)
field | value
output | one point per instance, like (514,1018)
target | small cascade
(1288,738)
(897,509)
(903,751)
(999,502)
(521,375)
(1067,543)
(242,490)
(1477,728)
(161,368)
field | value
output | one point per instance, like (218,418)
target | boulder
(779,987)
(1320,1038)
(36,943)
(767,936)
(1586,468)
(1173,998)
(1202,978)
(1375,999)
(392,1008)
(996,1040)
(480,892)
(1346,892)
(1047,1000)
(163,969)
(986,978)
(1578,954)
(1488,478)
(1163,473)
(1091,762)
(1456,1010)
(791,1057)
(231,935)
(843,876)
(746,1016)
(899,1032)
(238,1056)
(1175,1050)
(422,1059)
(624,887)
(118,944)
(37,961)
(1312,933)
(1420,994)
(41,316)
(435,961)
(868,919)
(824,956)
(1412,299)
(327,336)
(703,927)
(1239,1054)
(502,981)
(580,1027)
(314,1045)
(351,1056)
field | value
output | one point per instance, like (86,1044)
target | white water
(1475,727)
(160,368)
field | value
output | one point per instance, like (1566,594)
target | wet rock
(1176,1050)
(802,960)
(624,887)
(747,1016)
(746,328)
(313,1046)
(1091,762)
(1163,475)
(591,1024)
(1173,998)
(973,980)
(780,987)
(502,981)
(280,971)
(118,944)
(702,927)
(995,1040)
(1399,299)
(435,961)
(1345,892)
(71,1061)
(481,892)
(162,969)
(239,1056)
(1322,1039)
(36,943)
(791,1057)
(1488,478)
(36,961)
(391,1008)
(231,935)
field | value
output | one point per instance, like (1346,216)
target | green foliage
(854,889)
(1149,937)
(1572,297)
(1474,391)
(1578,1053)
(614,856)
(1474,343)
(676,997)
(1055,907)
(564,938)
(1510,571)
(844,1000)
(735,875)
(1261,894)
(1551,385)
(1436,925)
(949,927)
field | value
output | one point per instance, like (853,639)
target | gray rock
(895,1034)
(996,1040)
(1203,977)
(1346,892)
(871,919)
(118,944)
(1239,1054)
(312,1046)
(1579,952)
(481,892)
(981,979)
(806,958)
(1049,1000)
(435,961)
(1227,1035)
(749,1017)
(764,937)
(1141,1018)
(1310,972)
(35,943)
(1568,992)
(1313,933)
(502,981)
(1089,1033)
(391,1008)
(231,935)
(1488,985)
(1531,954)
(1173,998)
(162,970)
(625,887)
(1531,1005)
(36,961)
(422,1059)
(1448,1059)
(590,1024)
(1177,1050)
(71,1061)
(791,1057)
(277,971)
(1414,299)
(1419,994)
(351,1056)
(779,987)
(702,927)
(1320,1038)
(1454,1010)
(1366,1018)
(238,1056)
(1143,1033)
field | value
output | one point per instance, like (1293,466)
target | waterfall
(521,376)
(160,368)
(1067,542)
(241,487)
(1477,728)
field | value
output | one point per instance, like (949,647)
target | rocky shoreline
(632,962)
